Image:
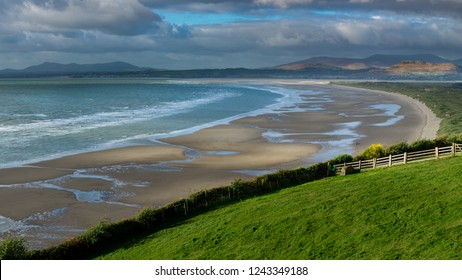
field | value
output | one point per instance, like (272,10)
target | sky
(178,34)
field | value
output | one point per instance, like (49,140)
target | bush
(397,149)
(374,151)
(448,140)
(13,249)
(147,217)
(96,233)
(422,145)
(344,158)
(318,171)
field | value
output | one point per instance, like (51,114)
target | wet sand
(59,198)
(55,168)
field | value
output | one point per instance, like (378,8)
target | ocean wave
(287,103)
(125,125)
(64,126)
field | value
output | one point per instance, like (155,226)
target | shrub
(422,145)
(147,217)
(97,233)
(448,140)
(374,151)
(13,249)
(318,171)
(397,149)
(344,158)
(237,184)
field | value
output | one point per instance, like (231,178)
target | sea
(44,119)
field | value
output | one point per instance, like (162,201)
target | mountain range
(378,61)
(57,69)
(377,66)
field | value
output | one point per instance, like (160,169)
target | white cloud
(282,3)
(125,17)
(358,33)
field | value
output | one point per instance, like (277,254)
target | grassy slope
(444,99)
(403,212)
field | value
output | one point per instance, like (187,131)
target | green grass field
(403,212)
(444,99)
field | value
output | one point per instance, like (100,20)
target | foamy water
(46,119)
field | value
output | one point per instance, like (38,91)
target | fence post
(453,150)
(185,207)
(374,163)
(437,154)
(205,195)
(390,163)
(359,165)
(405,157)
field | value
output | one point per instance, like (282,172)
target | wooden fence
(437,153)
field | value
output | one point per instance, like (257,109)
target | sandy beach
(62,197)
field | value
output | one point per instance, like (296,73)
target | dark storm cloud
(452,7)
(400,6)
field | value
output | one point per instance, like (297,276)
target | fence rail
(436,153)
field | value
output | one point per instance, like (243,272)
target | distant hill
(383,61)
(324,62)
(382,67)
(379,66)
(422,68)
(57,69)
(375,61)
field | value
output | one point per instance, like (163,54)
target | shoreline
(61,197)
(155,139)
(432,123)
